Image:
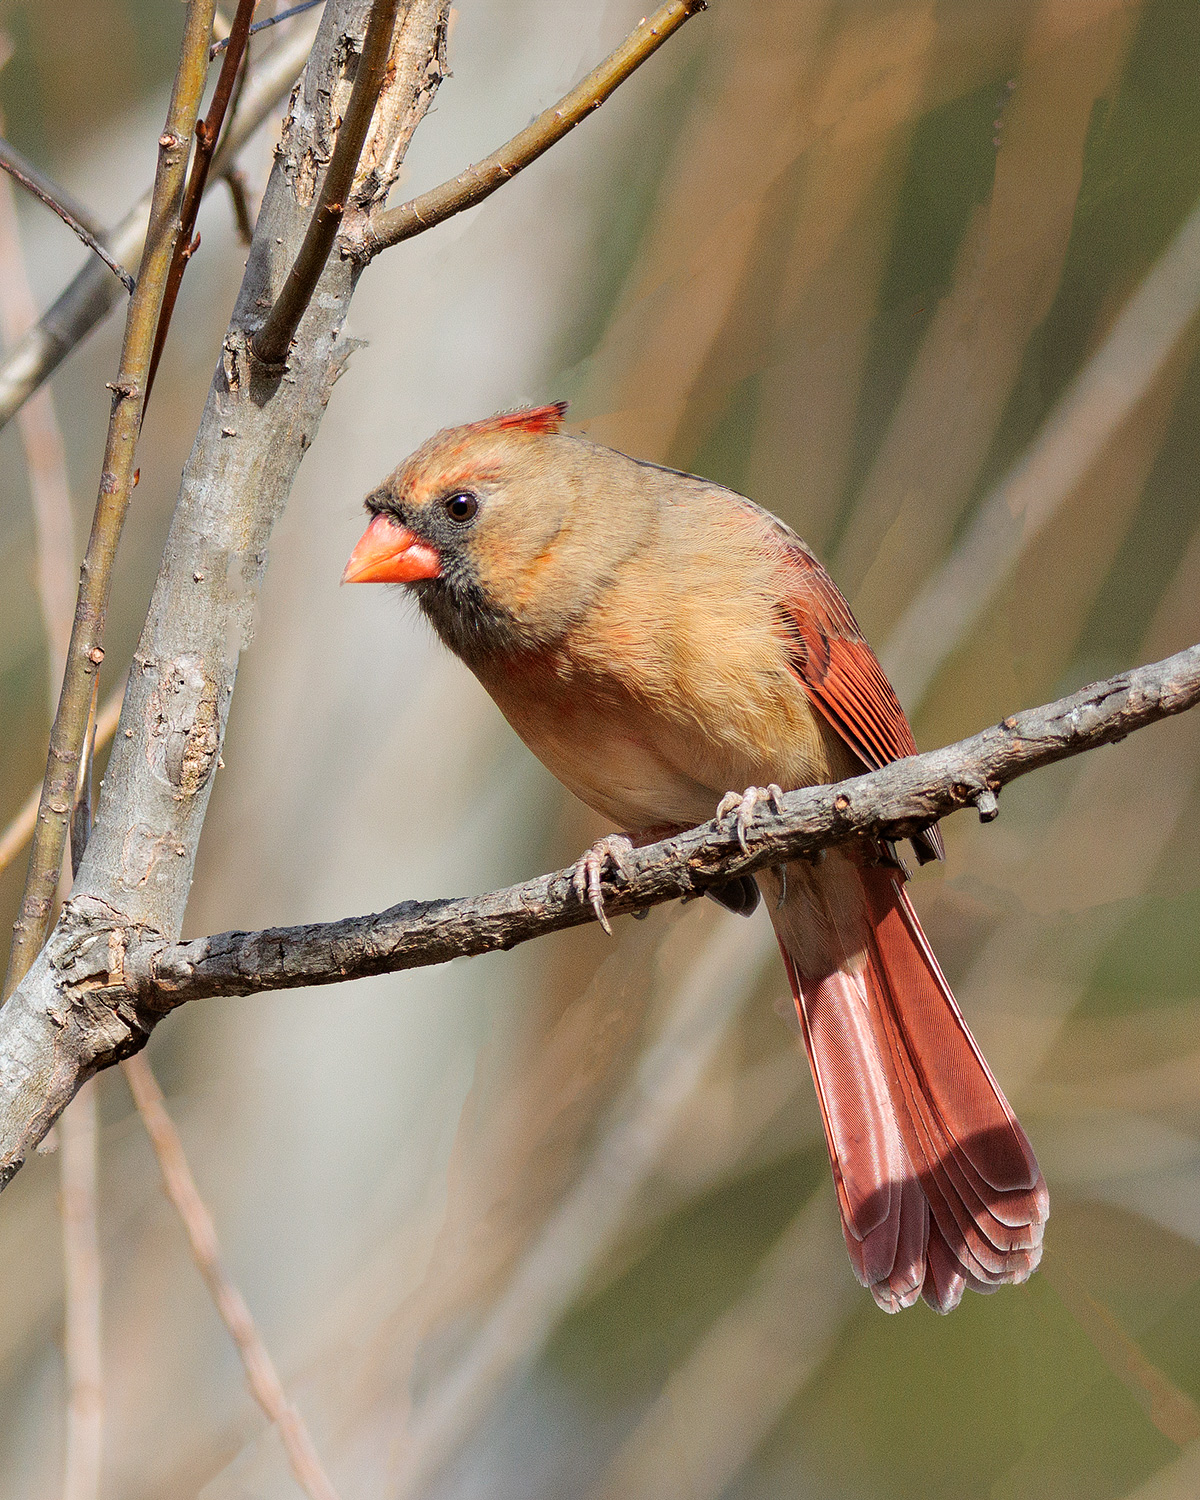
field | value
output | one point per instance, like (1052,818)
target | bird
(667,648)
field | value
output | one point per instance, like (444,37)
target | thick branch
(272,341)
(254,432)
(86,650)
(107,976)
(389,227)
(892,803)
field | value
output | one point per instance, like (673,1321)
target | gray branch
(893,803)
(112,978)
(255,429)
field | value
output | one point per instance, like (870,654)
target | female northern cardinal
(655,639)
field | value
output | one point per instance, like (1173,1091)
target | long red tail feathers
(936,1181)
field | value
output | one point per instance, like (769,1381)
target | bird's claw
(589,872)
(746,804)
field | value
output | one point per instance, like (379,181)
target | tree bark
(256,426)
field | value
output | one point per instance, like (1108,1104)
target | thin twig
(91,294)
(261,1376)
(53,194)
(235,181)
(284,15)
(45,459)
(45,462)
(20,830)
(892,803)
(270,344)
(82,1277)
(389,227)
(55,198)
(208,131)
(116,482)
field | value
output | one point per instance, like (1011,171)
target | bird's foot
(610,851)
(746,805)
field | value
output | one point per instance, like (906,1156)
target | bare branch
(208,131)
(253,434)
(284,15)
(92,294)
(20,830)
(892,803)
(116,484)
(55,198)
(389,227)
(261,1375)
(235,181)
(272,341)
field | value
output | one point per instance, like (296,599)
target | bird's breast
(646,735)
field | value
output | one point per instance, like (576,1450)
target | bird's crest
(536,419)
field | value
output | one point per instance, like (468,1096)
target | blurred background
(920,276)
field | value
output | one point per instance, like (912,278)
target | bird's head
(504,529)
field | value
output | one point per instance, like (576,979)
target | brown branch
(892,803)
(116,481)
(387,227)
(272,341)
(235,181)
(20,830)
(74,216)
(261,1375)
(207,132)
(92,294)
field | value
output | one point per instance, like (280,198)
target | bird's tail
(937,1183)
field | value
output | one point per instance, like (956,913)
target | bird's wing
(840,672)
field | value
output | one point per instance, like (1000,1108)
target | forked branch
(387,227)
(270,344)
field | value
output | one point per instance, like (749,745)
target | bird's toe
(746,805)
(588,874)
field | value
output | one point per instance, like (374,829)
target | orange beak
(389,553)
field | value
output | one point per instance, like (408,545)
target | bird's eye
(461,508)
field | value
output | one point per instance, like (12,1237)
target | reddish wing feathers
(840,672)
(839,669)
